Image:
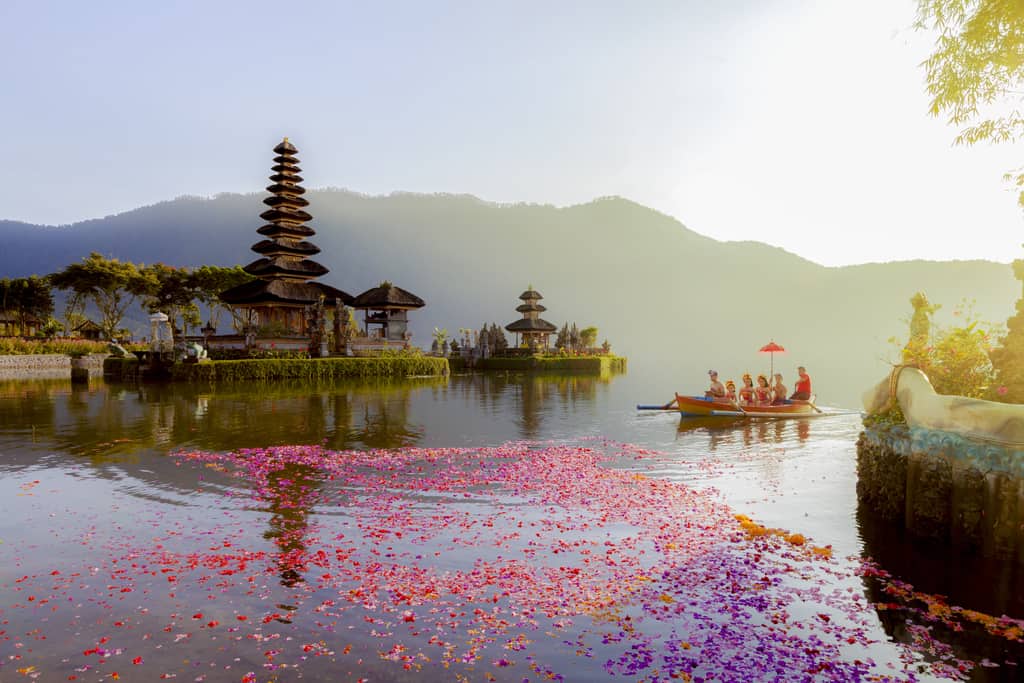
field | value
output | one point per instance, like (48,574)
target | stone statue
(915,352)
(116,350)
(988,421)
(195,350)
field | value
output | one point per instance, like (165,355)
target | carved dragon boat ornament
(973,418)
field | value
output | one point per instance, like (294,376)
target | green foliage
(883,420)
(977,68)
(110,284)
(14,346)
(275,329)
(956,358)
(209,281)
(313,368)
(172,291)
(51,328)
(1008,356)
(29,298)
(960,364)
(588,337)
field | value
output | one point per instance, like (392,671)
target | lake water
(480,527)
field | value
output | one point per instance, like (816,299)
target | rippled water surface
(479,528)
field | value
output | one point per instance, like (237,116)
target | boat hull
(705,407)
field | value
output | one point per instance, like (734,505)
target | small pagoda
(531,329)
(386,308)
(277,299)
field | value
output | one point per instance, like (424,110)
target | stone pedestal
(945,487)
(79,371)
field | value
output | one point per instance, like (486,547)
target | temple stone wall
(47,361)
(944,486)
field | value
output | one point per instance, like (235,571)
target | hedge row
(309,368)
(595,365)
(16,346)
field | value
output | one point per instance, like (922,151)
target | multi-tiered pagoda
(276,300)
(532,329)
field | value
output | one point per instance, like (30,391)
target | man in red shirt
(802,390)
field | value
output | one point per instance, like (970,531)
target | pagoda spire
(286,251)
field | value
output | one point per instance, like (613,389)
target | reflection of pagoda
(284,286)
(532,329)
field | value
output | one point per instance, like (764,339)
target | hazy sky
(798,123)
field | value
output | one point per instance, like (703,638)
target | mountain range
(669,298)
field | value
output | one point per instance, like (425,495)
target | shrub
(15,346)
(312,368)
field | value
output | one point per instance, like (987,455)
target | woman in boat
(762,392)
(747,390)
(778,391)
(730,391)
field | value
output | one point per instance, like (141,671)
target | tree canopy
(110,284)
(975,75)
(27,297)
(172,291)
(209,281)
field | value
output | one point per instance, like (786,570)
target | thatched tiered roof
(285,271)
(530,321)
(386,295)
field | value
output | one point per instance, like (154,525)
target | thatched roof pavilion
(387,306)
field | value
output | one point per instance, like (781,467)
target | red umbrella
(772,348)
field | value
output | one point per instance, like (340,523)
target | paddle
(668,406)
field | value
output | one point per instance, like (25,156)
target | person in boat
(717,389)
(762,392)
(730,390)
(746,395)
(802,390)
(779,391)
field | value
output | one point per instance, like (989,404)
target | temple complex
(275,303)
(385,313)
(532,330)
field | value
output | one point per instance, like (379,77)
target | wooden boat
(701,406)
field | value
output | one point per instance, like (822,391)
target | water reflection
(291,492)
(963,578)
(115,427)
(732,432)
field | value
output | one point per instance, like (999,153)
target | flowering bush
(956,358)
